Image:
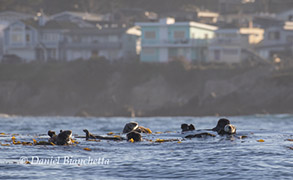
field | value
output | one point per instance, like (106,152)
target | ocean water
(220,157)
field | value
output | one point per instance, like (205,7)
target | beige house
(234,45)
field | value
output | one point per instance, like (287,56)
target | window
(149,51)
(206,36)
(290,39)
(230,51)
(217,54)
(277,35)
(17,35)
(17,38)
(52,53)
(150,35)
(50,37)
(113,38)
(28,38)
(179,35)
(274,35)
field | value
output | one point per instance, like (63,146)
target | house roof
(85,16)
(13,13)
(97,31)
(51,24)
(165,22)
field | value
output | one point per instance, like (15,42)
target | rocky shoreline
(100,88)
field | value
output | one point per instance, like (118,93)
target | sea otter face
(230,129)
(130,127)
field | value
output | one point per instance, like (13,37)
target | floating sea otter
(186,127)
(63,138)
(224,127)
(133,126)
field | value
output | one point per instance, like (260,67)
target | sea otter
(133,126)
(64,138)
(134,135)
(186,127)
(88,135)
(224,127)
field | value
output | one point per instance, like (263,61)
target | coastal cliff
(100,88)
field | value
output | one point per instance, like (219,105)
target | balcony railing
(179,42)
(230,41)
(89,45)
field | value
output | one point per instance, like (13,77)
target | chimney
(250,24)
(41,18)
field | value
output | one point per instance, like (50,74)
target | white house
(166,40)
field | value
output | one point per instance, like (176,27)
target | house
(6,18)
(234,45)
(277,40)
(285,16)
(235,6)
(47,38)
(35,39)
(207,17)
(201,16)
(166,40)
(113,43)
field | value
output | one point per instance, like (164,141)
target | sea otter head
(134,135)
(51,133)
(131,126)
(86,131)
(221,124)
(186,127)
(230,129)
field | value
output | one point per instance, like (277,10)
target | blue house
(167,40)
(68,37)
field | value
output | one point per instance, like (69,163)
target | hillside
(99,88)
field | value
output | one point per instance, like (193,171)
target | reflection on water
(206,158)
